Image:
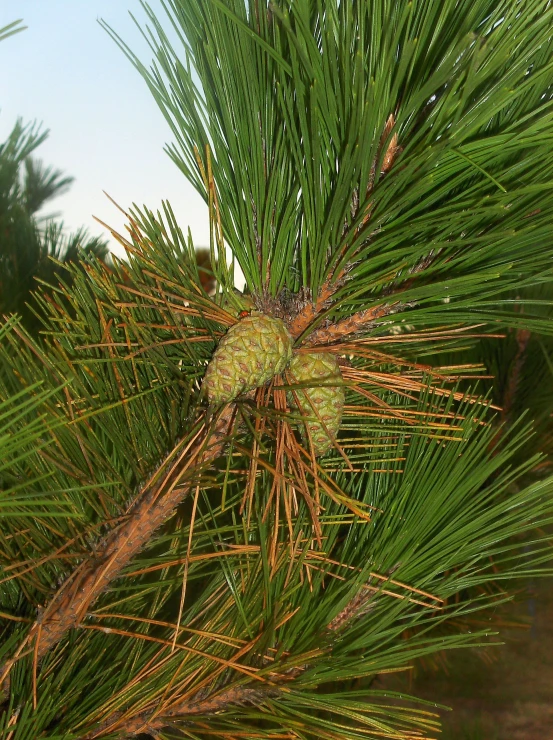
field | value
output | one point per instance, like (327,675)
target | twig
(159,498)
(229,697)
(145,722)
(312,309)
(522,338)
(362,320)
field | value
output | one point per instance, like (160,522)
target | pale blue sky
(105,128)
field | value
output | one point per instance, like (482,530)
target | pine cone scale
(254,350)
(322,401)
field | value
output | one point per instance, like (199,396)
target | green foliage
(11,29)
(266,604)
(292,99)
(515,369)
(18,439)
(257,608)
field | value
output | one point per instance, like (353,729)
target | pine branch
(204,703)
(146,722)
(156,503)
(360,321)
(288,118)
(310,311)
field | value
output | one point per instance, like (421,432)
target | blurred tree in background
(33,247)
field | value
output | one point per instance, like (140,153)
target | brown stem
(310,310)
(146,722)
(522,338)
(510,390)
(392,150)
(157,501)
(351,610)
(230,696)
(360,321)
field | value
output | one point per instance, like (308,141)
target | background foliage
(33,246)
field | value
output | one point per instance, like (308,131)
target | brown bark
(522,338)
(148,722)
(310,310)
(157,501)
(228,697)
(360,321)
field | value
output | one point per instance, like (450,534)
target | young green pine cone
(322,401)
(251,353)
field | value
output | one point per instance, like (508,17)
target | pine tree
(32,247)
(178,564)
